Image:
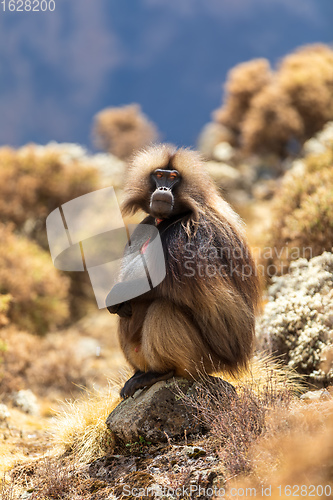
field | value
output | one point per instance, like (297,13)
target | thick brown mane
(195,320)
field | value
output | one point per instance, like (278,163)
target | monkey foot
(143,379)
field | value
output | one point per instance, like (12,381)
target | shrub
(293,455)
(243,83)
(35,180)
(306,76)
(39,294)
(48,366)
(271,111)
(302,208)
(4,305)
(271,122)
(122,131)
(297,321)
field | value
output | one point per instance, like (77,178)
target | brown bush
(4,305)
(270,122)
(39,294)
(306,76)
(268,109)
(243,83)
(302,213)
(53,478)
(35,181)
(48,366)
(123,130)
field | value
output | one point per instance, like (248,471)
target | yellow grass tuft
(80,428)
(267,372)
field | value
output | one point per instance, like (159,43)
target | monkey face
(162,199)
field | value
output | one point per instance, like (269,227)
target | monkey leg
(168,344)
(172,342)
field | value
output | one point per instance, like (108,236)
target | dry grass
(23,438)
(295,450)
(52,478)
(59,364)
(249,436)
(80,429)
(237,421)
(264,372)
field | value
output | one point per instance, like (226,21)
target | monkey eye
(173,176)
(159,175)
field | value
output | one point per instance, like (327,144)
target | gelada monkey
(201,317)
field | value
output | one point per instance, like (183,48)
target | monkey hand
(124,310)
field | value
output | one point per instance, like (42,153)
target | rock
(213,134)
(87,347)
(26,401)
(194,451)
(228,178)
(264,189)
(223,151)
(321,395)
(160,412)
(222,172)
(4,413)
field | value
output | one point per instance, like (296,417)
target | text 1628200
(28,5)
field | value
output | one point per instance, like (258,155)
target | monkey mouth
(161,209)
(161,204)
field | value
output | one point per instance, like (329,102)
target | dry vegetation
(262,440)
(267,110)
(122,131)
(34,181)
(302,208)
(38,293)
(296,324)
(269,437)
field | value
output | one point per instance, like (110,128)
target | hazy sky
(57,69)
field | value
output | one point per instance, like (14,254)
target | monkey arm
(133,278)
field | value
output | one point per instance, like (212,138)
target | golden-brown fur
(191,323)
